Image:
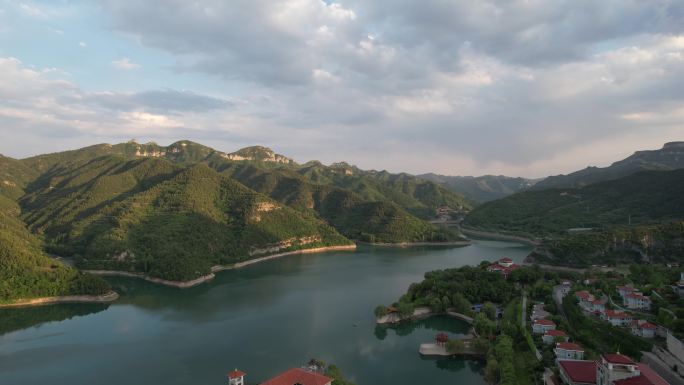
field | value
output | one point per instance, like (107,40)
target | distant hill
(648,197)
(670,157)
(481,189)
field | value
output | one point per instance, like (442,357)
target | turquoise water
(262,319)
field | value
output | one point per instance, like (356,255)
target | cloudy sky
(458,87)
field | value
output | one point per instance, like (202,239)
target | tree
(405,309)
(380,311)
(436,305)
(489,310)
(461,304)
(455,346)
(483,326)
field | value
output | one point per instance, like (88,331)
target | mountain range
(175,211)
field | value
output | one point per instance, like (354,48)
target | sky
(522,88)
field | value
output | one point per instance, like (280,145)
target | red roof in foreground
(569,346)
(555,333)
(618,359)
(298,376)
(583,294)
(652,376)
(579,371)
(544,322)
(236,374)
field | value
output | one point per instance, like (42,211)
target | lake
(262,319)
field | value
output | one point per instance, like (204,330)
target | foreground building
(298,376)
(504,266)
(618,369)
(576,372)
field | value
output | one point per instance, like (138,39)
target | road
(523,313)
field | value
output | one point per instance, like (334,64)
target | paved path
(523,311)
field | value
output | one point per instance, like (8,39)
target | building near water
(236,377)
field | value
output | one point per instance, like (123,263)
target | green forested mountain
(480,189)
(166,220)
(670,157)
(649,197)
(174,211)
(25,270)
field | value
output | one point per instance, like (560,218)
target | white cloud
(125,64)
(82,44)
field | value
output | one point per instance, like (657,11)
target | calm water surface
(262,319)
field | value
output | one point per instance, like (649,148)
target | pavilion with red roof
(236,377)
(504,266)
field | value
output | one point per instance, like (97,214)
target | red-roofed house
(624,290)
(614,367)
(617,318)
(298,376)
(598,306)
(576,372)
(637,301)
(504,266)
(643,328)
(552,336)
(585,300)
(568,351)
(541,326)
(236,377)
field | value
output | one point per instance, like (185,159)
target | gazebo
(442,339)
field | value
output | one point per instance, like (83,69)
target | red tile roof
(544,322)
(298,376)
(647,325)
(618,359)
(236,374)
(652,376)
(569,346)
(555,333)
(617,314)
(579,371)
(637,296)
(506,260)
(625,288)
(583,294)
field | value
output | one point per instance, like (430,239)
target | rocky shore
(109,297)
(217,268)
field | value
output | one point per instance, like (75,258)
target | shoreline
(418,314)
(500,236)
(41,301)
(418,244)
(216,268)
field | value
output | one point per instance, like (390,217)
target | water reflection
(23,318)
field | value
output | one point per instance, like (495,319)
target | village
(598,328)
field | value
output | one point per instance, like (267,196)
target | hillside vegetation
(670,157)
(637,244)
(643,198)
(168,221)
(26,271)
